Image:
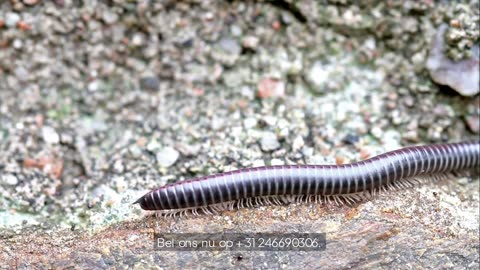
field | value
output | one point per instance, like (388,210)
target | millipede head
(145,202)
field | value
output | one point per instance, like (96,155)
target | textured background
(101,101)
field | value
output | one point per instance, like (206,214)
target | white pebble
(17,44)
(258,163)
(50,135)
(153,146)
(118,166)
(269,142)
(11,19)
(93,86)
(249,122)
(377,132)
(167,156)
(10,180)
(276,161)
(298,143)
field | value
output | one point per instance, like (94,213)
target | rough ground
(435,226)
(101,101)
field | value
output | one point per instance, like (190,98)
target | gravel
(109,100)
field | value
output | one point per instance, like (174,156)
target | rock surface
(103,102)
(463,76)
(419,228)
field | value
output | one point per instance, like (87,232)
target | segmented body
(380,172)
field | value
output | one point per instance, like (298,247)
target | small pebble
(230,45)
(473,123)
(236,30)
(93,86)
(167,156)
(118,166)
(59,3)
(150,83)
(276,25)
(22,73)
(209,16)
(24,26)
(17,44)
(318,75)
(249,123)
(135,151)
(11,19)
(50,135)
(10,179)
(376,132)
(351,139)
(409,101)
(391,105)
(339,160)
(365,153)
(276,161)
(307,152)
(269,142)
(271,88)
(153,146)
(30,2)
(391,139)
(137,40)
(298,143)
(109,17)
(66,138)
(411,135)
(250,42)
(258,163)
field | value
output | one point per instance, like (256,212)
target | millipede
(283,184)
